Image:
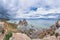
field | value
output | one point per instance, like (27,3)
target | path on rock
(2,36)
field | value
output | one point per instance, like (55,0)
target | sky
(31,9)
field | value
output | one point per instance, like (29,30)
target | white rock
(58,31)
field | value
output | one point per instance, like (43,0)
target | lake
(38,24)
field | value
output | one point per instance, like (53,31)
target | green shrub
(7,36)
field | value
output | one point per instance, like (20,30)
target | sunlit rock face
(19,36)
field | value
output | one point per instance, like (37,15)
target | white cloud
(42,11)
(21,8)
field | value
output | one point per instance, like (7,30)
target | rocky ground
(53,33)
(19,36)
(2,37)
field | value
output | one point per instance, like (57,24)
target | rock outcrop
(1,26)
(56,25)
(22,25)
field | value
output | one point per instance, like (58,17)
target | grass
(10,27)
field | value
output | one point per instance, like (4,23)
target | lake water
(41,23)
(38,24)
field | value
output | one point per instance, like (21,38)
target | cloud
(31,8)
(40,13)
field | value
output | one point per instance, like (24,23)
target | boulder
(57,31)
